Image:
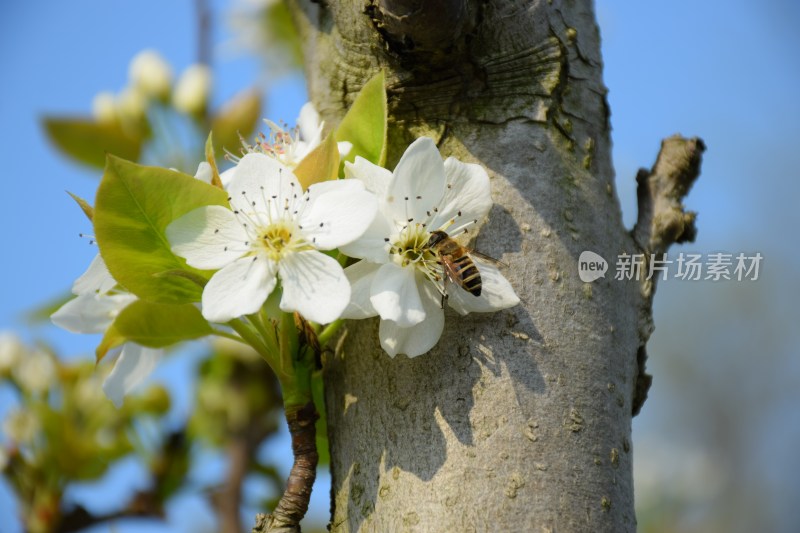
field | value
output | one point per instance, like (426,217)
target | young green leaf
(364,125)
(88,142)
(87,209)
(238,117)
(111,339)
(321,164)
(134,205)
(159,325)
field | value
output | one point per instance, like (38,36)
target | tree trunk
(519,420)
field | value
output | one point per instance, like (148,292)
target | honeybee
(458,266)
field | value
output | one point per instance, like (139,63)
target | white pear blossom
(400,278)
(289,147)
(93,310)
(131,104)
(11,351)
(22,425)
(36,372)
(193,89)
(274,230)
(104,107)
(151,74)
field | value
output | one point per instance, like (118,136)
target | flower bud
(192,90)
(104,108)
(11,351)
(21,426)
(36,372)
(131,104)
(150,74)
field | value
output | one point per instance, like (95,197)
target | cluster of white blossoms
(275,237)
(275,231)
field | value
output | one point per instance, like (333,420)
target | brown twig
(143,505)
(661,222)
(293,504)
(203,32)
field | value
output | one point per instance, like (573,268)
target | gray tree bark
(519,420)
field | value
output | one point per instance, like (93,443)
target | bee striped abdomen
(470,277)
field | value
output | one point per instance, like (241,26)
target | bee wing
(450,271)
(487,258)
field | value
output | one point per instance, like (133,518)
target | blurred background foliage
(714,444)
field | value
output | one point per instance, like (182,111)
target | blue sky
(726,71)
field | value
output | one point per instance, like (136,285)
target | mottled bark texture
(293,504)
(519,420)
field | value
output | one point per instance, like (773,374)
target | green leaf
(88,142)
(364,125)
(321,164)
(111,339)
(159,325)
(281,32)
(87,209)
(238,117)
(134,206)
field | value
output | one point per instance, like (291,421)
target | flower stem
(225,334)
(329,331)
(245,330)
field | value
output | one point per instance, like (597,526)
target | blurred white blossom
(149,73)
(193,89)
(11,351)
(21,426)
(36,372)
(104,107)
(131,104)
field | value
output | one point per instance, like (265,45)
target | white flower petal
(134,364)
(467,198)
(90,312)
(227,176)
(204,172)
(376,179)
(97,278)
(344,148)
(496,292)
(208,237)
(309,125)
(418,182)
(360,276)
(337,213)
(314,285)
(418,339)
(239,288)
(372,244)
(267,186)
(395,296)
